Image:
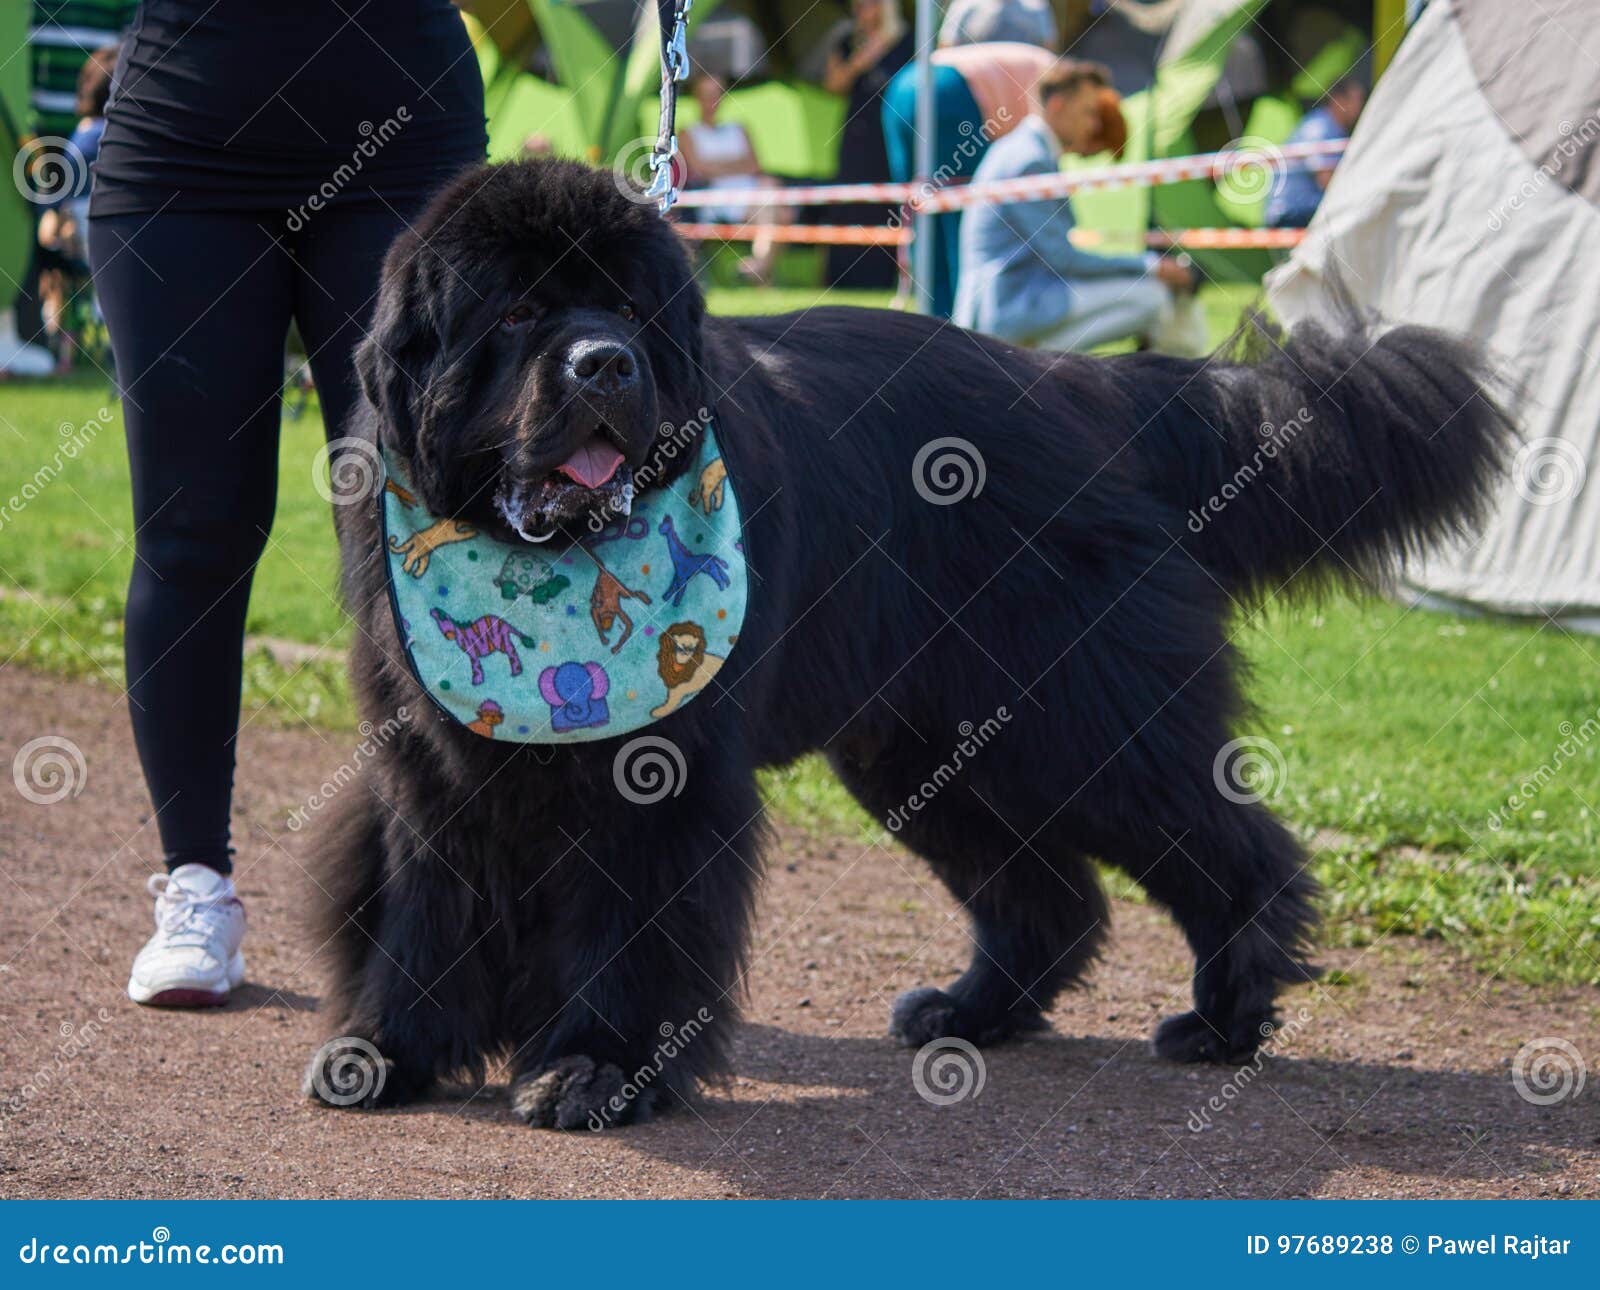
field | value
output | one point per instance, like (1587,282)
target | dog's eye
(517,316)
(627,310)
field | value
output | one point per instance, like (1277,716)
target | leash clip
(677,48)
(661,187)
(674,71)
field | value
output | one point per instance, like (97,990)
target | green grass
(1402,734)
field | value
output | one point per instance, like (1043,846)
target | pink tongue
(592,464)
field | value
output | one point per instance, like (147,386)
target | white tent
(1468,199)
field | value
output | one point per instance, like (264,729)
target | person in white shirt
(720,155)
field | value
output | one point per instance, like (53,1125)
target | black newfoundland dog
(492,900)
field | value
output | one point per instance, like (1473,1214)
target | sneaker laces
(181,912)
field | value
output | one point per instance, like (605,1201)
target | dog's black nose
(601,367)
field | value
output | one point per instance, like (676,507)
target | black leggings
(198,306)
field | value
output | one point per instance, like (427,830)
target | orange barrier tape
(1243,166)
(1252,239)
(814,234)
(1206,239)
(1188,239)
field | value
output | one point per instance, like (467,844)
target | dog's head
(537,339)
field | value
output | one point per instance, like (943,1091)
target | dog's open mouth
(594,483)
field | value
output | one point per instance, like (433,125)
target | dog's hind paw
(923,1015)
(578,1093)
(1189,1037)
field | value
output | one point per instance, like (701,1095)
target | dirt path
(1397,1084)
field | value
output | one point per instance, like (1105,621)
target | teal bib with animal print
(567,641)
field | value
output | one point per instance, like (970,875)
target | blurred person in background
(257,161)
(1022,278)
(1296,199)
(1030,22)
(981,92)
(876,46)
(63,225)
(62,36)
(720,156)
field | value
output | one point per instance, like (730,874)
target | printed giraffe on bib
(686,564)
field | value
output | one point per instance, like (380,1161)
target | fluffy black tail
(1327,454)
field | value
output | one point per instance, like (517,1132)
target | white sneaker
(193,960)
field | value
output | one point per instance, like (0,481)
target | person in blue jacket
(1295,200)
(1022,279)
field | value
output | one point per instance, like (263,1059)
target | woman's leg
(338,256)
(197,306)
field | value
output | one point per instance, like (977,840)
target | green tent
(592,108)
(602,103)
(16,212)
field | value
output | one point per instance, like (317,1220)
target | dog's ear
(680,360)
(694,343)
(393,361)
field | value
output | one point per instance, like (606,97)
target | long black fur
(499,900)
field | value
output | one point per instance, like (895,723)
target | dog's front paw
(579,1093)
(350,1073)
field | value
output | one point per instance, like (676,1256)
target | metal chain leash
(673,19)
